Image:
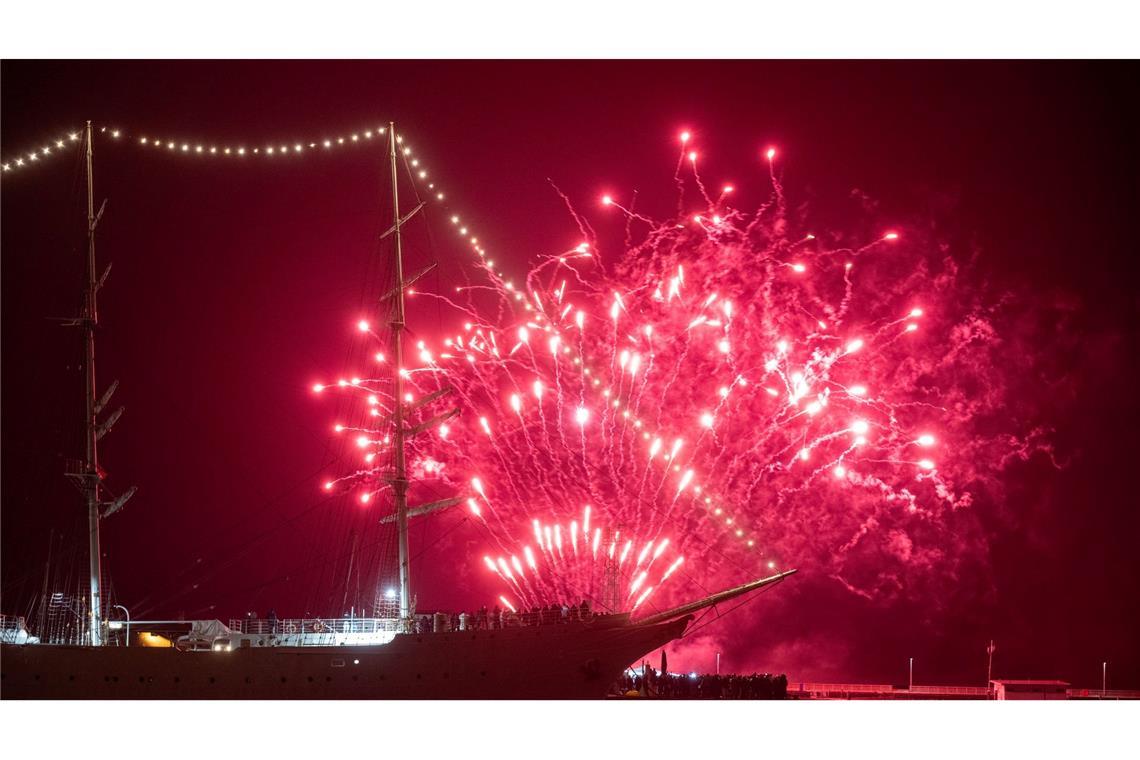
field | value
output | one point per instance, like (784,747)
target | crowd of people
(497,617)
(702,686)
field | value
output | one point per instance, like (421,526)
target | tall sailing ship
(399,654)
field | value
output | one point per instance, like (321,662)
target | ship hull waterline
(562,661)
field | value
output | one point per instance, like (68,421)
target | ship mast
(92,478)
(400,476)
(402,412)
(88,475)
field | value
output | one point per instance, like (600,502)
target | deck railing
(424,623)
(11,622)
(959,691)
(290,626)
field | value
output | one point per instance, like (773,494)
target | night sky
(236,287)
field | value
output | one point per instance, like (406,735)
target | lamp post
(128,614)
(990,663)
(718,663)
(910,684)
(1103,678)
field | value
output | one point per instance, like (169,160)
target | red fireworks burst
(748,390)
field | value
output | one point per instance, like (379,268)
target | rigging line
(302,569)
(430,247)
(374,265)
(288,491)
(703,615)
(736,606)
(442,536)
(240,552)
(66,546)
(42,462)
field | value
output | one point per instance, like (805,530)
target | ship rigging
(576,656)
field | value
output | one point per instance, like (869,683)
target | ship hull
(567,661)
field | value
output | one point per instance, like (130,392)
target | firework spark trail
(559,576)
(782,399)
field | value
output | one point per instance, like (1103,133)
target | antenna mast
(92,474)
(400,476)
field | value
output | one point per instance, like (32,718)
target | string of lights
(261,150)
(48,149)
(267,150)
